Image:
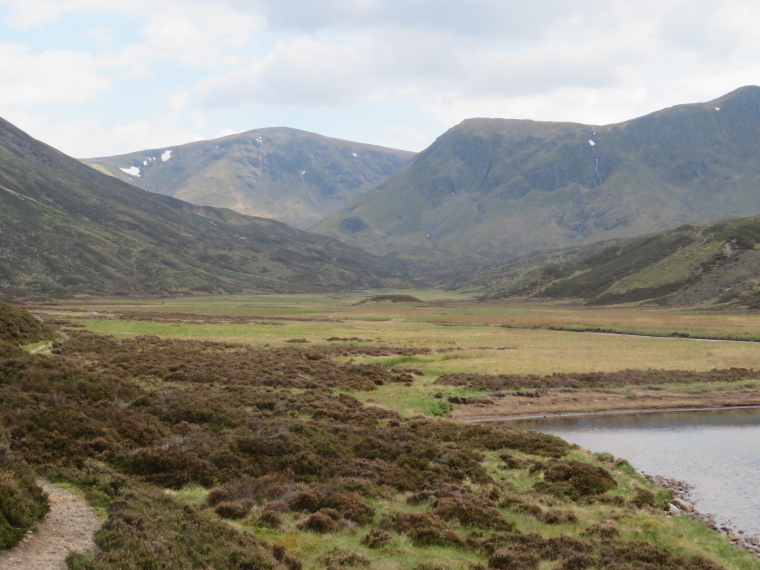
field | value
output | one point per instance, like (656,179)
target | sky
(104,77)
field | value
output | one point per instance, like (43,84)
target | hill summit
(284,174)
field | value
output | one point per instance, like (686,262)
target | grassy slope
(685,266)
(292,176)
(67,228)
(495,187)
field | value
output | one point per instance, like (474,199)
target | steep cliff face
(494,187)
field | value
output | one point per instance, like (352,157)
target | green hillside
(688,265)
(284,174)
(503,188)
(68,229)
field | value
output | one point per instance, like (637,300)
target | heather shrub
(233,509)
(509,560)
(342,558)
(320,523)
(558,516)
(22,502)
(377,538)
(270,518)
(470,511)
(643,498)
(575,479)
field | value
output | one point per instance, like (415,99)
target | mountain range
(67,229)
(495,189)
(284,174)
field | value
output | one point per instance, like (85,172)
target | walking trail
(68,527)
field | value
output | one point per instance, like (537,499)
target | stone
(684,505)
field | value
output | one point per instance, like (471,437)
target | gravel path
(68,527)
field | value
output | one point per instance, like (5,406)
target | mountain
(284,174)
(495,187)
(685,266)
(66,229)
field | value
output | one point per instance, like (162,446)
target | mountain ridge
(500,188)
(290,175)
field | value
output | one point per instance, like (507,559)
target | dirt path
(68,527)
(556,403)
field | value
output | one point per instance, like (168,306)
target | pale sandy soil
(68,527)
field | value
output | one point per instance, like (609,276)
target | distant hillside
(66,228)
(284,174)
(493,187)
(685,266)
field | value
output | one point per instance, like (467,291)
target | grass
(451,335)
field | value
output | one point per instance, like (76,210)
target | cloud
(301,72)
(248,60)
(51,76)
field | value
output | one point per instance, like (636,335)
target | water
(718,452)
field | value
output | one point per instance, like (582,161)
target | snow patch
(166,155)
(592,143)
(145,163)
(717,108)
(356,155)
(132,171)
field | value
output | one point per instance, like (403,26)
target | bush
(342,558)
(320,523)
(557,516)
(508,560)
(377,538)
(270,518)
(22,503)
(575,479)
(233,509)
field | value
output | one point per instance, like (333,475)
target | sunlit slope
(285,174)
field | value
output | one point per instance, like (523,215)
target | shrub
(575,479)
(643,498)
(426,529)
(377,538)
(605,529)
(342,558)
(471,511)
(557,516)
(270,518)
(320,523)
(22,502)
(504,559)
(233,509)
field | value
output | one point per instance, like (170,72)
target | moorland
(315,431)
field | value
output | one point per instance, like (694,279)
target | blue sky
(103,77)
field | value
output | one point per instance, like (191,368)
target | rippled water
(716,451)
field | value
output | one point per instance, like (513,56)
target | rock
(684,505)
(673,510)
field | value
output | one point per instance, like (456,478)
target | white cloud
(51,76)
(301,72)
(545,59)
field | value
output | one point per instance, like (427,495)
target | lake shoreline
(636,400)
